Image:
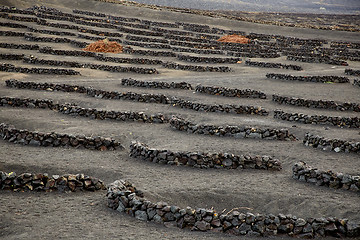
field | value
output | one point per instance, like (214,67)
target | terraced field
(209,140)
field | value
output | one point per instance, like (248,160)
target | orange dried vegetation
(234,39)
(104,46)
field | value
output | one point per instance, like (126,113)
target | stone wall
(102,67)
(317,59)
(154,84)
(12,34)
(73,110)
(306,173)
(230,92)
(53,139)
(195,68)
(322,79)
(203,160)
(348,122)
(44,182)
(144,97)
(129,50)
(6,67)
(356,82)
(353,72)
(124,197)
(20,46)
(326,144)
(273,65)
(231,131)
(197,59)
(325,104)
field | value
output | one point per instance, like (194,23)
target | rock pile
(53,139)
(322,79)
(335,145)
(7,67)
(203,160)
(124,197)
(349,122)
(273,65)
(231,131)
(44,182)
(325,104)
(306,173)
(230,92)
(154,84)
(353,72)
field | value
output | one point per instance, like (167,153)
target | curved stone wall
(44,182)
(197,59)
(53,139)
(231,131)
(356,82)
(272,65)
(349,122)
(230,92)
(6,67)
(326,144)
(102,67)
(322,79)
(353,72)
(326,104)
(306,173)
(73,110)
(195,68)
(149,98)
(203,160)
(154,84)
(124,197)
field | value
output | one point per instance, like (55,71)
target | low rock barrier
(20,46)
(102,67)
(72,109)
(154,84)
(12,34)
(327,144)
(318,59)
(148,98)
(147,45)
(124,197)
(44,182)
(6,67)
(325,104)
(231,131)
(349,122)
(322,79)
(356,82)
(353,72)
(10,56)
(230,92)
(149,52)
(101,57)
(273,65)
(195,68)
(197,59)
(306,173)
(203,160)
(53,139)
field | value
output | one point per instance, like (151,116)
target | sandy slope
(85,215)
